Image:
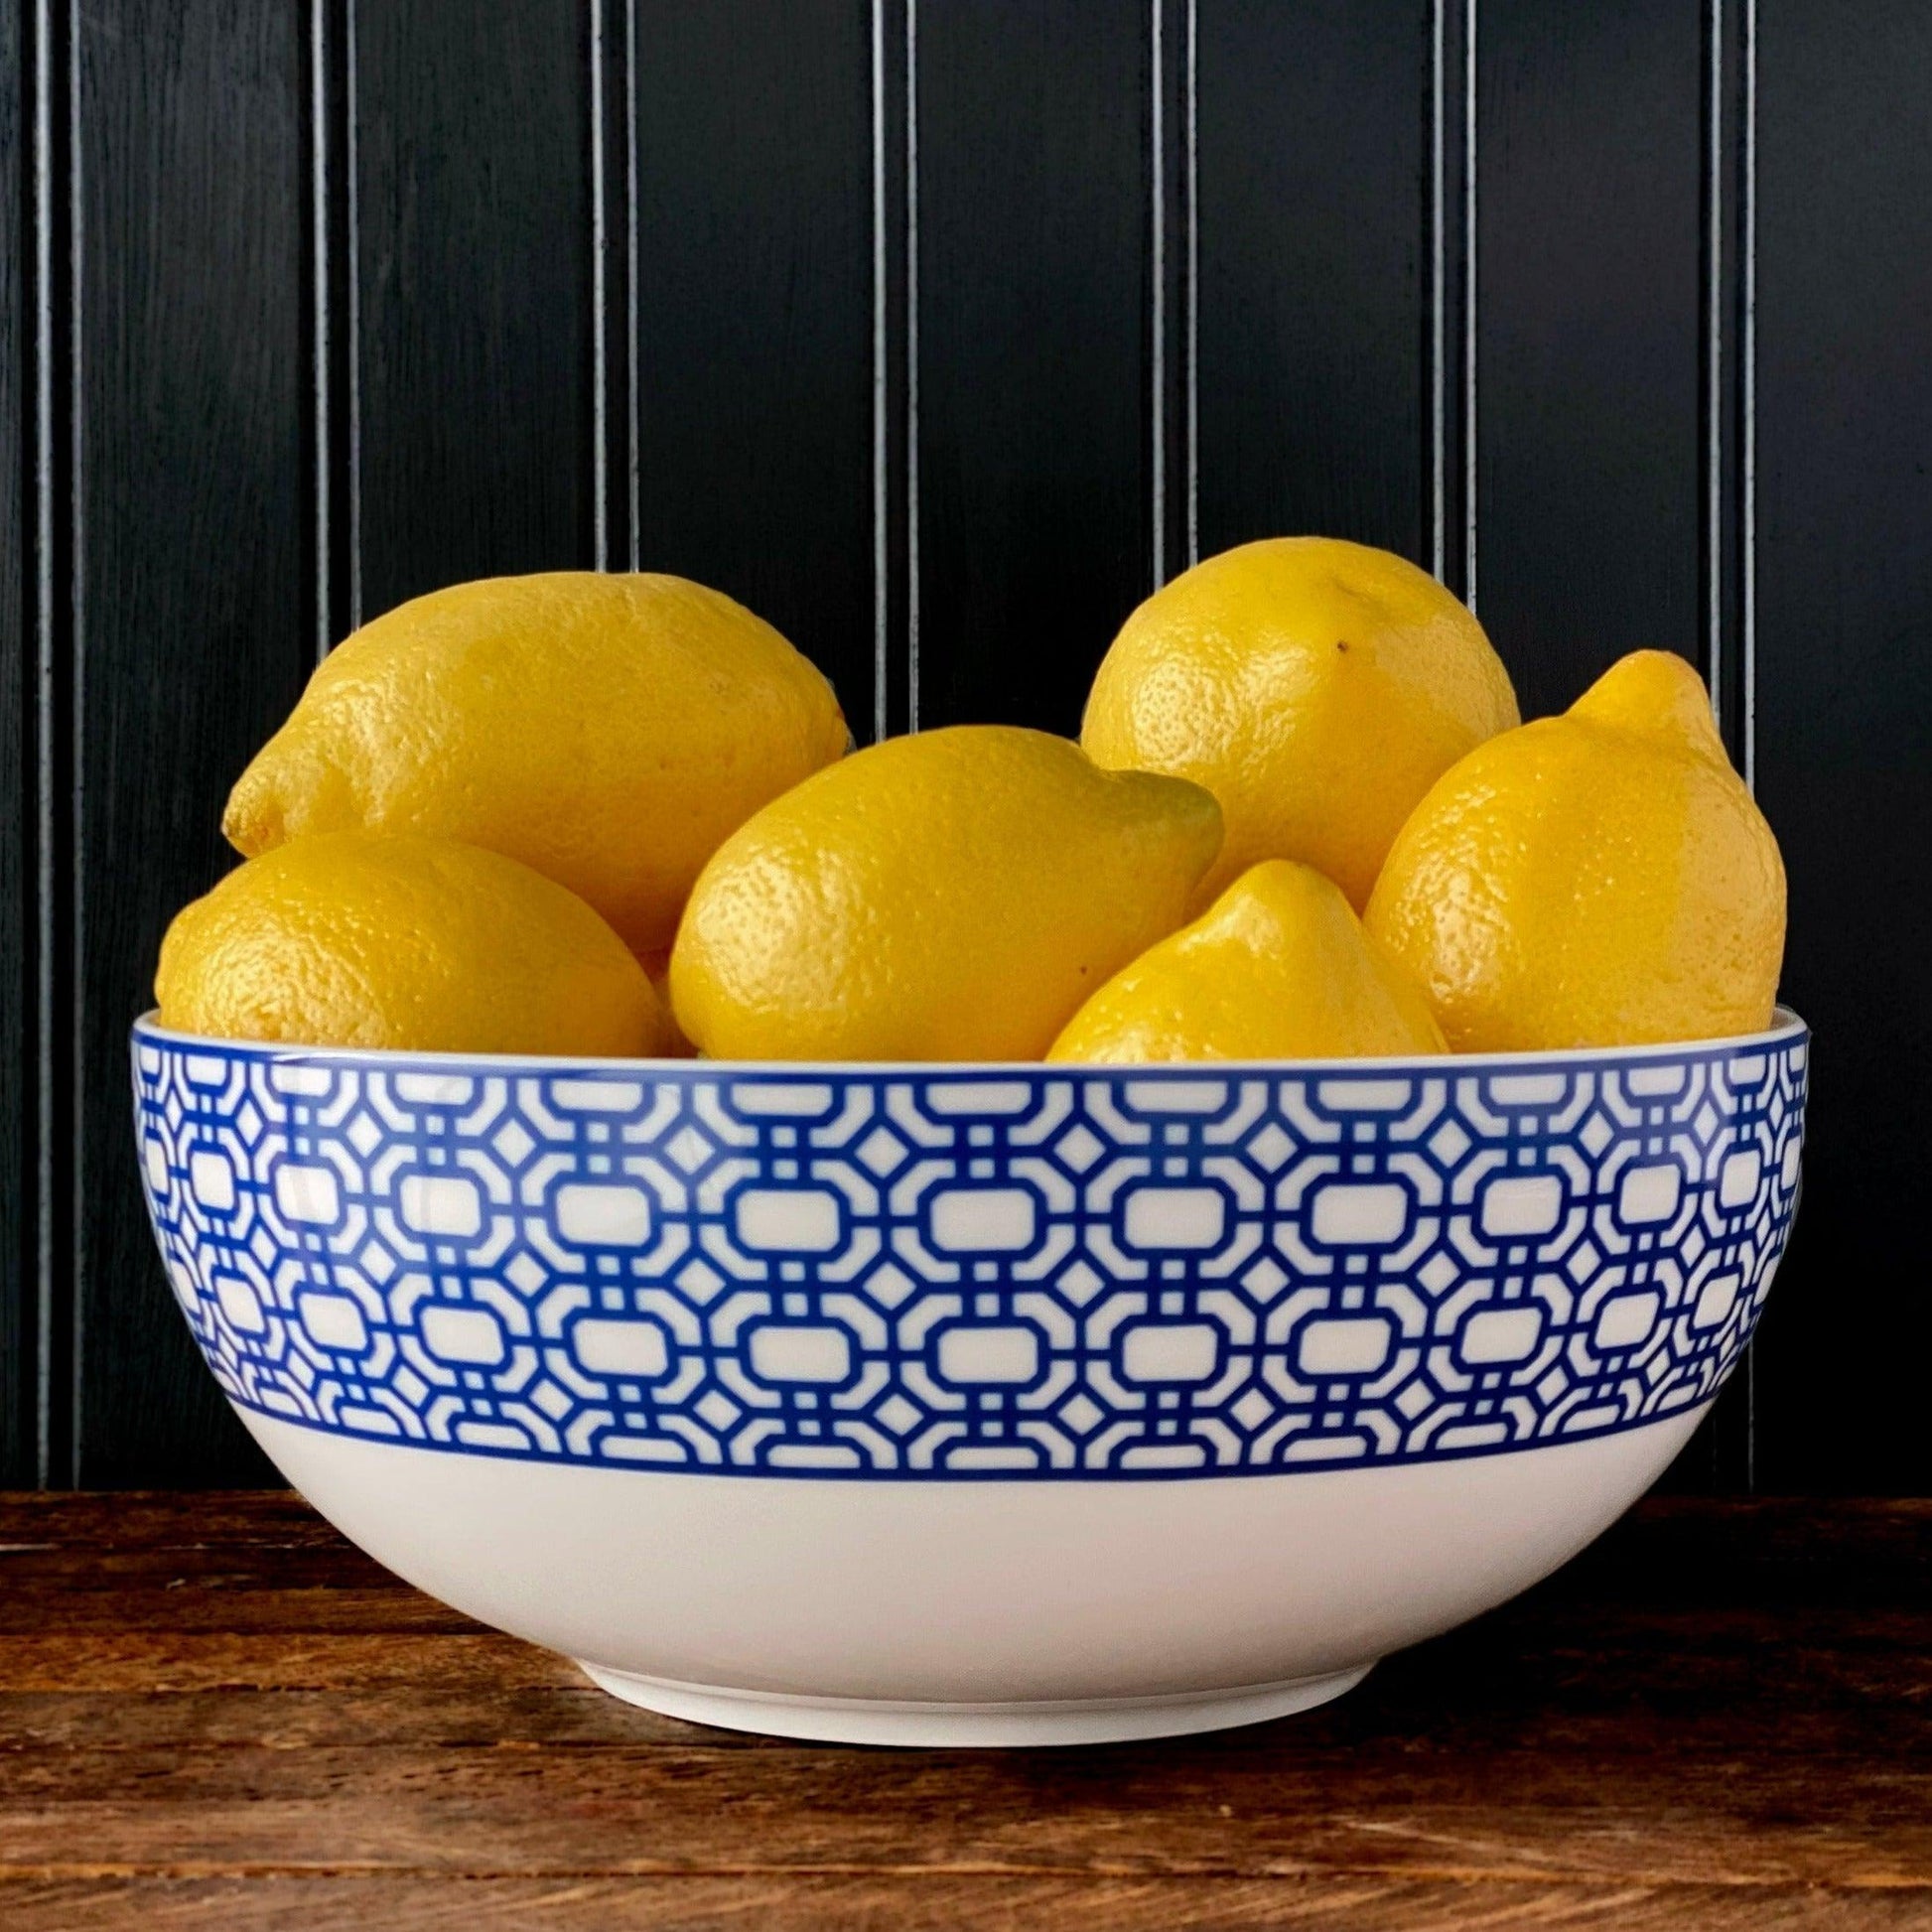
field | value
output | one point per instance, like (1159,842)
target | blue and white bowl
(971,1405)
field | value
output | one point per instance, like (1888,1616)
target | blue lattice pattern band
(948,1274)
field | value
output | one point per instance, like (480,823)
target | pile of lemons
(615,815)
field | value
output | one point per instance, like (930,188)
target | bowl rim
(1786,1028)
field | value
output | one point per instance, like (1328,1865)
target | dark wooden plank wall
(1313,379)
(470,398)
(1842,728)
(1034,251)
(189,605)
(754,314)
(18,1303)
(940,333)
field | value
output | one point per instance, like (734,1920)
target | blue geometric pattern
(923,1273)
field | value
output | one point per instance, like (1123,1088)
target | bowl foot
(866,1721)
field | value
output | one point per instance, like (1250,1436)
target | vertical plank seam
(319,266)
(1437,300)
(1469,307)
(1713,464)
(1748,367)
(1714,361)
(1193,283)
(1158,319)
(1747,541)
(912,364)
(353,194)
(600,332)
(77,714)
(43,708)
(881,497)
(634,354)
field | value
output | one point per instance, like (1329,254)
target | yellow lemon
(1318,688)
(1277,968)
(949,896)
(353,940)
(610,731)
(657,969)
(1592,880)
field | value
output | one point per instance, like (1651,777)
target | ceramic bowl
(971,1405)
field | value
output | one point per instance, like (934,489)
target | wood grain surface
(212,1712)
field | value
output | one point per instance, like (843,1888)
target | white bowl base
(939,1611)
(869,1721)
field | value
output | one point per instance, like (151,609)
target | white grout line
(1194,284)
(318,216)
(1748,359)
(880,502)
(1469,310)
(44,714)
(1714,454)
(631,350)
(600,347)
(913,363)
(77,712)
(1157,213)
(355,280)
(1437,303)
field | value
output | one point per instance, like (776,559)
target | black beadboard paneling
(17,1409)
(1844,716)
(1312,186)
(193,623)
(189,470)
(473,338)
(1590,252)
(1035,516)
(756,325)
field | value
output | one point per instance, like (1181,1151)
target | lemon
(353,941)
(949,896)
(1277,968)
(1591,879)
(657,969)
(607,730)
(1316,687)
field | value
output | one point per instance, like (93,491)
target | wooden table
(214,1713)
